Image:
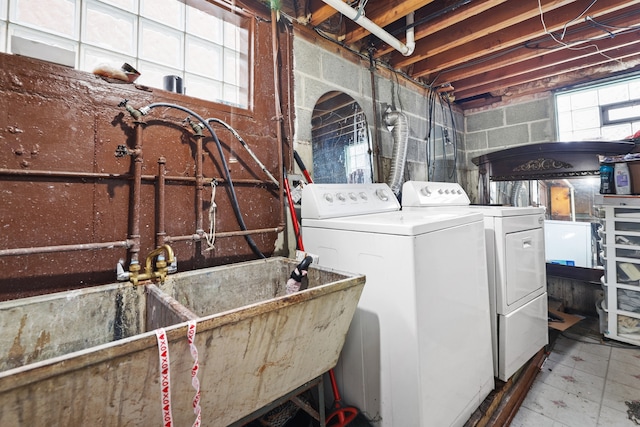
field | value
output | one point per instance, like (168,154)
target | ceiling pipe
(358,17)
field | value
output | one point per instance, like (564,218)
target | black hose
(246,147)
(232,191)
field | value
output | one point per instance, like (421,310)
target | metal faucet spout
(164,258)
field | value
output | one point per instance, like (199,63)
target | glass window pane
(566,136)
(208,89)
(231,70)
(231,36)
(563,103)
(92,57)
(152,75)
(614,93)
(204,58)
(617,132)
(634,89)
(128,5)
(109,28)
(230,94)
(586,118)
(161,44)
(587,134)
(621,113)
(44,38)
(168,12)
(204,25)
(3,10)
(3,37)
(55,16)
(584,99)
(564,122)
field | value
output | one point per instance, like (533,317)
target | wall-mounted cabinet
(620,241)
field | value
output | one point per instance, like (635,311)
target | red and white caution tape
(165,379)
(191,333)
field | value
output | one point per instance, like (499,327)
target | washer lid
(404,223)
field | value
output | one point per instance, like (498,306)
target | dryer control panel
(321,201)
(424,193)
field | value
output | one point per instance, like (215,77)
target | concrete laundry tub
(90,357)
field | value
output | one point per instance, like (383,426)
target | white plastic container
(622,178)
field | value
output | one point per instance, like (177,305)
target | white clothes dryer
(516,268)
(418,352)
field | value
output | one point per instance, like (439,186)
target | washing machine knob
(425,191)
(353,196)
(382,195)
(328,197)
(440,191)
(364,196)
(341,197)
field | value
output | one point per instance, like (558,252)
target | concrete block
(508,136)
(306,57)
(530,111)
(485,120)
(340,72)
(475,141)
(542,131)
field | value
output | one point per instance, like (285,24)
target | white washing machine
(418,352)
(517,271)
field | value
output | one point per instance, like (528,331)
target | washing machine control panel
(423,193)
(321,201)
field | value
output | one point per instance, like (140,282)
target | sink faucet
(165,257)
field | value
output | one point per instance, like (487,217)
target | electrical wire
(564,28)
(566,45)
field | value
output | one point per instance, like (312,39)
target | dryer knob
(341,197)
(425,191)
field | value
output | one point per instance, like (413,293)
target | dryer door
(525,266)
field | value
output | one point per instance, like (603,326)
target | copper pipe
(199,186)
(278,107)
(96,175)
(135,193)
(160,233)
(65,248)
(197,237)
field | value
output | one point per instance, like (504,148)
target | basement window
(609,111)
(203,45)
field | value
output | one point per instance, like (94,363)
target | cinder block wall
(318,70)
(517,122)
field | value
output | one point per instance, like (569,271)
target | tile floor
(585,382)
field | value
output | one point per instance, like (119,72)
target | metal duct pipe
(398,123)
(358,17)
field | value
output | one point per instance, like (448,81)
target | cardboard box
(634,171)
(568,320)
